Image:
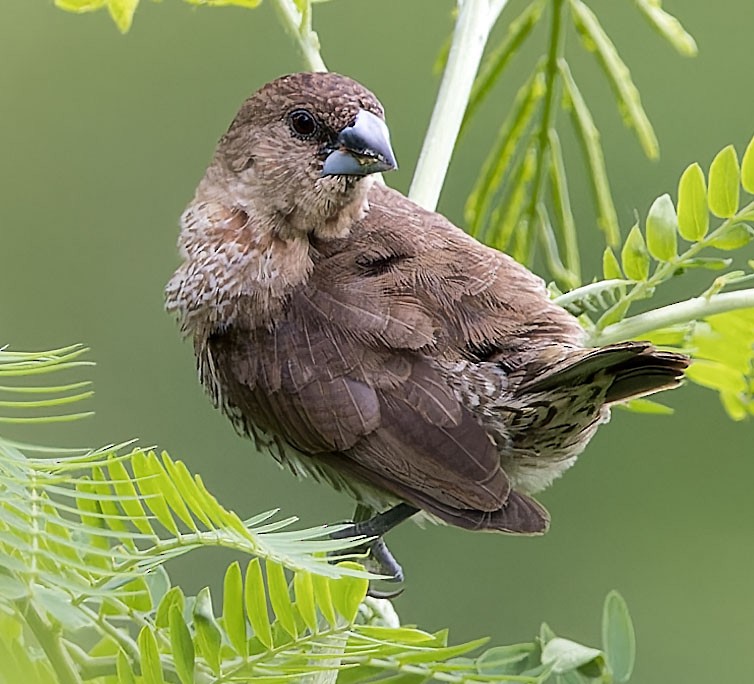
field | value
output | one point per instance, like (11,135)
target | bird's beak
(361,148)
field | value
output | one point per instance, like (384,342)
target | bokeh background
(102,140)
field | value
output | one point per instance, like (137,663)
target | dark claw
(375,527)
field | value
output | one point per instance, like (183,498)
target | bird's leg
(376,526)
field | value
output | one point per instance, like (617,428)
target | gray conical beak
(361,149)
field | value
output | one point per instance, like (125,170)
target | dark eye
(302,123)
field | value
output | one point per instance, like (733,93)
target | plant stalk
(674,314)
(664,270)
(475,21)
(299,25)
(49,639)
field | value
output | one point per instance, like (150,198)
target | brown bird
(372,344)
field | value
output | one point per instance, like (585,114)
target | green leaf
(563,655)
(123,669)
(503,151)
(611,269)
(233,617)
(747,168)
(736,236)
(208,636)
(280,597)
(148,482)
(127,496)
(648,406)
(349,592)
(634,255)
(518,31)
(255,599)
(80,5)
(507,222)
(12,589)
(618,637)
(724,180)
(57,604)
(135,594)
(502,660)
(662,227)
(187,489)
(168,488)
(248,4)
(437,654)
(304,590)
(615,313)
(716,376)
(589,137)
(549,242)
(122,13)
(182,645)
(596,40)
(693,217)
(151,668)
(668,26)
(400,635)
(709,263)
(562,202)
(174,597)
(323,596)
(735,406)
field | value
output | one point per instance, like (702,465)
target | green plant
(80,530)
(84,595)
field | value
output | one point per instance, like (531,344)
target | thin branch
(674,314)
(665,270)
(475,21)
(50,641)
(299,25)
(586,291)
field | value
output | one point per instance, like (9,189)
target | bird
(372,344)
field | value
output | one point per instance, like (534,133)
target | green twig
(50,641)
(475,20)
(666,269)
(674,314)
(299,25)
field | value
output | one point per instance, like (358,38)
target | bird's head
(303,150)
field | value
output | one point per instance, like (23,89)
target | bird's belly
(543,448)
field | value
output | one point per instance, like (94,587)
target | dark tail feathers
(637,368)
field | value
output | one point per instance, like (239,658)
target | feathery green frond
(83,541)
(715,328)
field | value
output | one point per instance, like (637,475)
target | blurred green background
(103,138)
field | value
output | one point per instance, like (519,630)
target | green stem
(50,641)
(542,142)
(674,314)
(299,25)
(666,269)
(120,637)
(92,667)
(475,21)
(586,291)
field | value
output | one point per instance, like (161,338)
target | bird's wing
(482,304)
(337,391)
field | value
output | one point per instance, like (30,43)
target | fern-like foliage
(520,199)
(709,218)
(84,596)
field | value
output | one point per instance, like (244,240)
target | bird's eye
(302,123)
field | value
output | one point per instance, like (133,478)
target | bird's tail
(635,369)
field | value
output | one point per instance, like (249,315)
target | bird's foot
(379,555)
